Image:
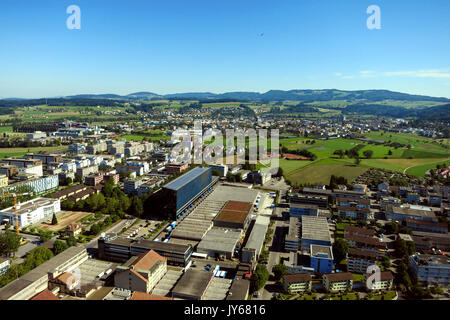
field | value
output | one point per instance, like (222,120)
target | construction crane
(16,214)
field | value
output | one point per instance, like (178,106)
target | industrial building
(194,227)
(141,273)
(192,285)
(292,239)
(121,249)
(219,243)
(315,230)
(235,214)
(32,211)
(36,280)
(182,191)
(252,248)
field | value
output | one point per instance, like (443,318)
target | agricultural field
(423,154)
(20,152)
(150,135)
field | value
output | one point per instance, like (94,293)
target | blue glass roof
(185,178)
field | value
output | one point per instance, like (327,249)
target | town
(112,214)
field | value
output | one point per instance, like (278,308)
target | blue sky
(235,45)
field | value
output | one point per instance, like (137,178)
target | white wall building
(32,211)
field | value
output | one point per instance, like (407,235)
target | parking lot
(92,268)
(166,284)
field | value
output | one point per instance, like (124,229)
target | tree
(38,256)
(339,153)
(259,277)
(72,241)
(45,235)
(340,248)
(9,243)
(54,220)
(95,229)
(59,246)
(137,207)
(368,154)
(391,228)
(279,271)
(390,152)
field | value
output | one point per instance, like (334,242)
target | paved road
(116,228)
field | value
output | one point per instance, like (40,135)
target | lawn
(388,296)
(289,166)
(398,164)
(348,296)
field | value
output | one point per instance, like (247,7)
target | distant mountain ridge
(274,95)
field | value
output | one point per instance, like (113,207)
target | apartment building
(297,283)
(336,282)
(383,281)
(96,148)
(427,226)
(358,260)
(3,180)
(431,269)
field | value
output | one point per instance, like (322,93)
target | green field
(20,152)
(421,170)
(423,154)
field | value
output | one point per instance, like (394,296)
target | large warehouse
(182,191)
(235,214)
(315,230)
(219,243)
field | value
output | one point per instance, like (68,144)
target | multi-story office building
(431,269)
(298,210)
(141,273)
(320,200)
(38,185)
(120,249)
(32,211)
(185,189)
(131,186)
(321,259)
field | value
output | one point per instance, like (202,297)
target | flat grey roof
(315,228)
(316,250)
(235,193)
(193,283)
(258,233)
(411,211)
(186,178)
(294,229)
(224,240)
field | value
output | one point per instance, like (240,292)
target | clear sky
(176,46)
